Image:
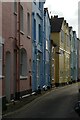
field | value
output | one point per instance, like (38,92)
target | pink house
(17,52)
(1,50)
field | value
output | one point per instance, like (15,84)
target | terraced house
(60,36)
(67,76)
(74,55)
(0,49)
(71,50)
(78,59)
(1,57)
(36,50)
(16,31)
(37,45)
(75,69)
(46,47)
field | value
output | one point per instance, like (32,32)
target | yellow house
(60,36)
(67,76)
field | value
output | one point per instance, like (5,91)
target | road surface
(58,103)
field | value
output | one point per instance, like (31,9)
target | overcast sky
(65,8)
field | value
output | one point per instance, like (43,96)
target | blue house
(75,69)
(73,55)
(46,47)
(37,44)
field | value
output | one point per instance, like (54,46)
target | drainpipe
(18,53)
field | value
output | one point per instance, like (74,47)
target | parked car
(77,107)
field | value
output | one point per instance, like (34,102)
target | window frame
(28,24)
(39,33)
(34,29)
(23,66)
(62,36)
(21,19)
(15,7)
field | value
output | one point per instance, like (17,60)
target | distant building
(72,53)
(79,34)
(78,59)
(75,69)
(79,19)
(79,44)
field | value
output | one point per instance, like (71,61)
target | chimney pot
(55,16)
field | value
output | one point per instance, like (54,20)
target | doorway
(7,75)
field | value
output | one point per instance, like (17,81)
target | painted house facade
(71,55)
(67,52)
(78,60)
(17,49)
(52,62)
(75,69)
(47,47)
(37,45)
(60,36)
(1,49)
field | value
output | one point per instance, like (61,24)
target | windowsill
(23,77)
(35,3)
(21,32)
(15,13)
(40,43)
(28,37)
(1,76)
(39,8)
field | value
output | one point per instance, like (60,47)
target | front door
(38,69)
(7,75)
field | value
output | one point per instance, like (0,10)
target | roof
(56,23)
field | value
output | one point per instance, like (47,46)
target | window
(23,62)
(0,51)
(53,52)
(68,40)
(0,59)
(15,6)
(39,33)
(34,29)
(62,35)
(47,47)
(34,1)
(39,5)
(47,55)
(28,23)
(21,18)
(38,67)
(52,71)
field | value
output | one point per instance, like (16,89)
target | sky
(65,8)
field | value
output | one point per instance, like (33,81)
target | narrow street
(58,103)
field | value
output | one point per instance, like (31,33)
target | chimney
(55,16)
(52,17)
